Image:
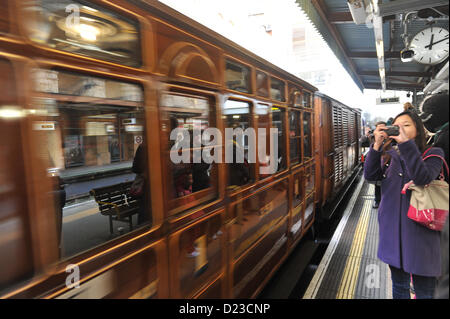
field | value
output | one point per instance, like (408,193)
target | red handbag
(429,203)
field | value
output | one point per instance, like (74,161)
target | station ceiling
(354,45)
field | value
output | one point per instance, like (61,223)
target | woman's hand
(401,138)
(379,135)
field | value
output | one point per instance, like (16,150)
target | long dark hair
(420,137)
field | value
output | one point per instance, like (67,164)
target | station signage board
(388,100)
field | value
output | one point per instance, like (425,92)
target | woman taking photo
(406,246)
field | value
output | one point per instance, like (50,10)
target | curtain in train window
(83,28)
(295,137)
(191,180)
(237,77)
(307,136)
(94,133)
(277,89)
(237,115)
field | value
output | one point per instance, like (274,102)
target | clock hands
(431,44)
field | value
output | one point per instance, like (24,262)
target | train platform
(350,269)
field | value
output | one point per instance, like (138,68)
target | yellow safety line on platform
(351,271)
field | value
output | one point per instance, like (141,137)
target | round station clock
(430,45)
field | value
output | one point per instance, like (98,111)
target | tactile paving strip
(354,271)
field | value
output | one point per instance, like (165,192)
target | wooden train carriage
(92,105)
(338,132)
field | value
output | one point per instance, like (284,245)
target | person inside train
(409,248)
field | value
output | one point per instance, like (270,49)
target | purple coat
(404,243)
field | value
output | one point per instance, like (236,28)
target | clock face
(430,45)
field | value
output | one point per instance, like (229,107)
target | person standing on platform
(406,246)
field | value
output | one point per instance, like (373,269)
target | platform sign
(388,100)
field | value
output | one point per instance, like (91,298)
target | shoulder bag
(429,203)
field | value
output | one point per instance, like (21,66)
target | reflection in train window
(237,77)
(237,115)
(278,121)
(307,141)
(277,89)
(307,100)
(93,131)
(190,178)
(85,29)
(295,136)
(262,83)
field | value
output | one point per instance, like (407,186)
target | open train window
(237,115)
(86,29)
(295,137)
(277,89)
(237,76)
(191,178)
(93,135)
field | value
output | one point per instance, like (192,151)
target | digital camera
(392,130)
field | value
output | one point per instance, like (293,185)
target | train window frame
(298,137)
(310,104)
(295,97)
(204,196)
(139,22)
(273,79)
(229,59)
(152,218)
(311,135)
(22,223)
(253,170)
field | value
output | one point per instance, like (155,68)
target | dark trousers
(377,194)
(423,286)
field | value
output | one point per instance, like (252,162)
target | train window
(4,16)
(237,77)
(16,262)
(85,29)
(307,100)
(262,83)
(277,89)
(295,136)
(236,115)
(307,133)
(278,120)
(191,180)
(310,178)
(296,99)
(94,134)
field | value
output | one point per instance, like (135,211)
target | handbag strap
(445,163)
(406,186)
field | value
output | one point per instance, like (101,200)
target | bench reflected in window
(93,131)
